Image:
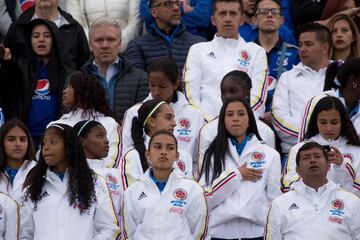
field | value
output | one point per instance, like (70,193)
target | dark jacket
(131,85)
(144,50)
(18,78)
(306,11)
(72,42)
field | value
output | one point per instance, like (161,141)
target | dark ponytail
(138,128)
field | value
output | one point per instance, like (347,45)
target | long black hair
(4,130)
(90,95)
(81,183)
(219,146)
(342,71)
(347,127)
(138,128)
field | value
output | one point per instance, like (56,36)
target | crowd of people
(180,119)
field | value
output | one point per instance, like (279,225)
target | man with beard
(167,37)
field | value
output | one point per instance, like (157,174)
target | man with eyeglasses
(208,62)
(280,54)
(167,37)
(195,15)
(316,208)
(249,30)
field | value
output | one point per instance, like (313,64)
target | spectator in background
(124,84)
(9,11)
(249,29)
(306,11)
(167,37)
(125,11)
(208,62)
(32,86)
(345,37)
(195,15)
(317,208)
(302,82)
(73,46)
(281,55)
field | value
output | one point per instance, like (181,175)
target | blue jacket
(250,33)
(195,22)
(144,50)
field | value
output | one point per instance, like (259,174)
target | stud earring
(354,85)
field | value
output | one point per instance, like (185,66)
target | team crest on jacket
(180,194)
(244,60)
(111,179)
(184,130)
(181,165)
(257,156)
(337,204)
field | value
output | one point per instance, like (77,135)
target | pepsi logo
(181,165)
(180,194)
(111,179)
(337,204)
(257,156)
(42,87)
(184,123)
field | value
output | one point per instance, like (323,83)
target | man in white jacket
(302,82)
(316,208)
(208,62)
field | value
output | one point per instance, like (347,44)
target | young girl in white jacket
(161,204)
(241,176)
(164,85)
(17,157)
(153,116)
(64,199)
(96,147)
(86,99)
(330,125)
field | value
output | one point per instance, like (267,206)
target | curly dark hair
(89,95)
(81,183)
(4,130)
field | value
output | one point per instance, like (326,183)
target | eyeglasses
(266,11)
(168,4)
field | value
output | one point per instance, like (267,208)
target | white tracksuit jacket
(293,90)
(54,219)
(189,121)
(178,212)
(9,218)
(113,181)
(131,168)
(208,62)
(112,132)
(355,119)
(238,208)
(331,213)
(346,175)
(15,190)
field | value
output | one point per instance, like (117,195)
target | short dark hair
(275,1)
(214,2)
(307,146)
(323,34)
(240,77)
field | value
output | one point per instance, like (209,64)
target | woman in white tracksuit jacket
(16,157)
(152,116)
(240,175)
(161,204)
(330,125)
(93,138)
(64,199)
(9,218)
(164,86)
(86,99)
